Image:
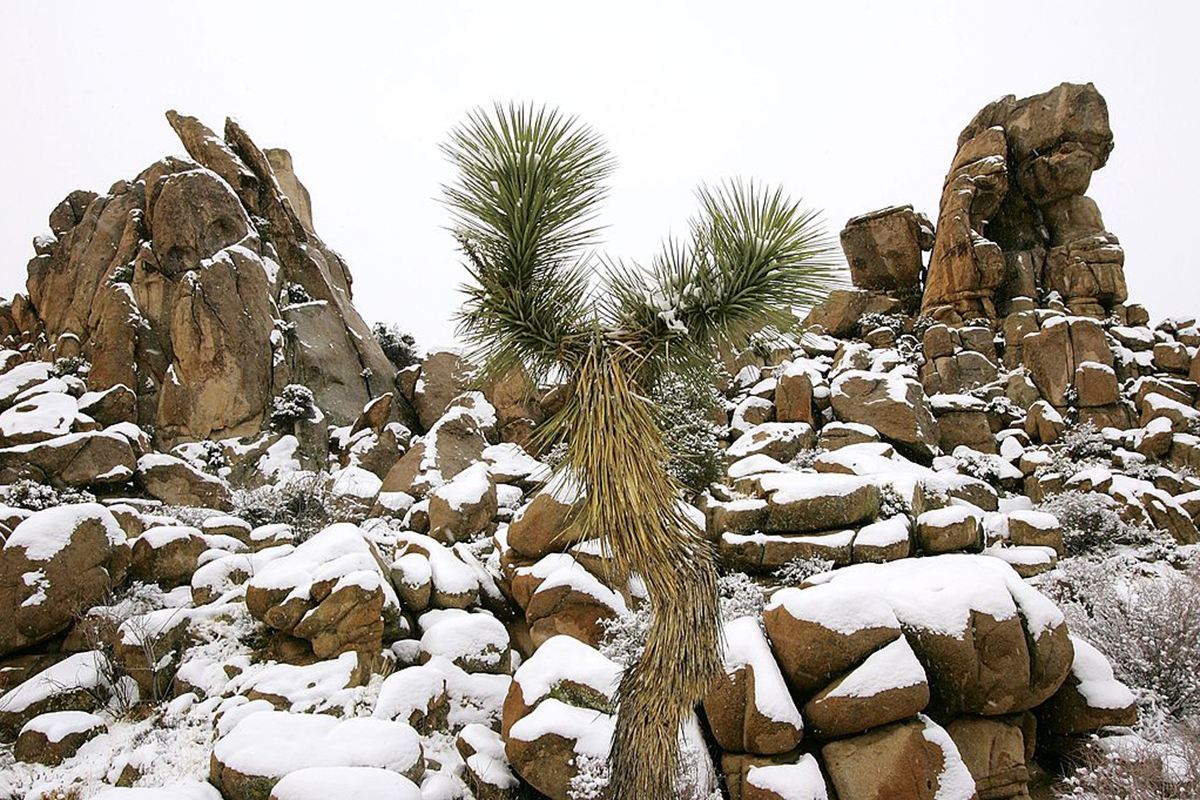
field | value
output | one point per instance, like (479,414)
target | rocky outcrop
(1014,219)
(201,286)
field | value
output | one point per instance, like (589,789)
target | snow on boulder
(167,555)
(888,686)
(416,695)
(487,772)
(990,643)
(464,506)
(944,530)
(799,781)
(89,458)
(749,708)
(332,590)
(824,631)
(52,738)
(309,688)
(548,746)
(41,417)
(474,642)
(360,783)
(55,562)
(176,482)
(428,574)
(766,552)
(510,463)
(541,526)
(892,403)
(886,540)
(72,684)
(1090,698)
(916,759)
(249,760)
(454,443)
(565,668)
(1036,529)
(779,440)
(571,600)
(22,377)
(750,412)
(806,502)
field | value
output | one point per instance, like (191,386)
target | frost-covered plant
(1158,765)
(806,458)
(683,410)
(71,365)
(29,494)
(399,347)
(1147,625)
(122,274)
(798,570)
(1091,522)
(892,503)
(625,635)
(922,324)
(741,596)
(870,321)
(211,455)
(555,455)
(977,465)
(294,294)
(590,781)
(1081,447)
(291,405)
(304,502)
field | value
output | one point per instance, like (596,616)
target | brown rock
(995,750)
(52,738)
(896,761)
(889,686)
(177,482)
(883,249)
(894,406)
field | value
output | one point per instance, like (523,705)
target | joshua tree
(524,208)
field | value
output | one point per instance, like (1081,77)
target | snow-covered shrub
(1148,625)
(1091,522)
(806,458)
(683,410)
(399,347)
(871,321)
(625,635)
(294,294)
(741,596)
(1081,446)
(291,405)
(30,494)
(922,324)
(977,465)
(798,570)
(1164,765)
(71,365)
(304,501)
(892,503)
(592,774)
(122,274)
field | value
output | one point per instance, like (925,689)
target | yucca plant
(524,208)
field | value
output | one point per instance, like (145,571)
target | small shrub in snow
(1147,625)
(294,294)
(806,458)
(71,365)
(741,596)
(122,274)
(1090,522)
(892,503)
(683,410)
(399,347)
(1164,765)
(977,465)
(625,635)
(34,496)
(922,324)
(798,570)
(303,501)
(291,405)
(871,321)
(590,781)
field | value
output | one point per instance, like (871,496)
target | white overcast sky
(850,105)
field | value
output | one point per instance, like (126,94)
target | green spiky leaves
(753,256)
(524,208)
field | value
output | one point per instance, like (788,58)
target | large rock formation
(201,286)
(1014,219)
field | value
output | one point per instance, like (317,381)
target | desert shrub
(977,465)
(741,596)
(122,274)
(34,496)
(399,347)
(1147,625)
(892,503)
(922,324)
(71,365)
(871,321)
(304,501)
(1084,444)
(291,405)
(806,458)
(294,294)
(683,410)
(1162,766)
(798,570)
(1091,522)
(625,635)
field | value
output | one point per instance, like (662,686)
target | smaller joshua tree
(529,183)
